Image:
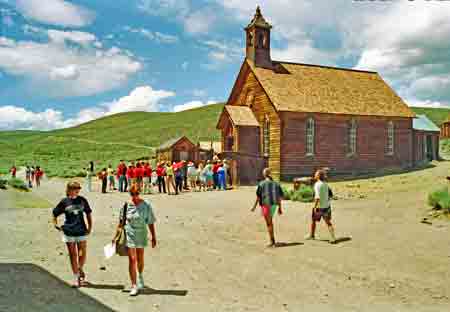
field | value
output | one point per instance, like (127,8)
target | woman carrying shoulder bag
(75,231)
(139,219)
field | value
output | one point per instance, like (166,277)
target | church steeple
(258,41)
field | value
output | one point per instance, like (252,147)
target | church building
(295,117)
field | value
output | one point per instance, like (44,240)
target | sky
(65,62)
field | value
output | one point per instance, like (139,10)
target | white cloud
(221,52)
(154,36)
(190,105)
(194,21)
(199,22)
(140,99)
(80,37)
(143,98)
(427,103)
(55,12)
(64,70)
(13,117)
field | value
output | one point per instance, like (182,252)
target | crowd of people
(166,177)
(33,175)
(137,219)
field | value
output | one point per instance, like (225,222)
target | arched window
(260,40)
(266,137)
(310,136)
(249,98)
(390,138)
(352,138)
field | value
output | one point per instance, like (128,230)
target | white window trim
(310,136)
(352,136)
(390,139)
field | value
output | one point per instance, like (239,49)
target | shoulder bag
(121,241)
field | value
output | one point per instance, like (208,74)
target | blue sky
(66,62)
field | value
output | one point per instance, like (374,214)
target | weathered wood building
(445,129)
(182,148)
(426,140)
(295,117)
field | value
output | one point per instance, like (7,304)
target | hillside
(437,115)
(128,135)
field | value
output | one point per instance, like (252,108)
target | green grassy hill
(437,115)
(107,140)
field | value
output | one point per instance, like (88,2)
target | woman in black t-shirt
(75,231)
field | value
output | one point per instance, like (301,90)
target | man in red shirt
(147,172)
(216,167)
(13,171)
(160,171)
(121,176)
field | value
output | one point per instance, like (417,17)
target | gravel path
(211,254)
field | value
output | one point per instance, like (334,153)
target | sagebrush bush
(3,184)
(304,194)
(18,184)
(440,199)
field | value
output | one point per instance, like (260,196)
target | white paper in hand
(109,250)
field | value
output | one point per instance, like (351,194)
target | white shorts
(73,239)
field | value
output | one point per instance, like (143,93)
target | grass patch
(440,199)
(22,200)
(18,184)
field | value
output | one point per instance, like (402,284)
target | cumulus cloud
(143,98)
(64,70)
(191,105)
(55,12)
(13,117)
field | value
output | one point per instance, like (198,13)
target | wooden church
(295,118)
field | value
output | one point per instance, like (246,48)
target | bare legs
(269,224)
(77,256)
(135,260)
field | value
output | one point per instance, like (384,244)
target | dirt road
(211,254)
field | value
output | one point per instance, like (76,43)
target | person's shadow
(338,240)
(282,244)
(145,291)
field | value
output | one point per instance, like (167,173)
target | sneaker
(75,282)
(134,291)
(140,282)
(309,237)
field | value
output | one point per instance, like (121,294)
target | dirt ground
(211,253)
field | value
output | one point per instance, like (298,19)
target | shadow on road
(281,244)
(28,287)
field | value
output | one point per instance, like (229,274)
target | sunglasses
(134,194)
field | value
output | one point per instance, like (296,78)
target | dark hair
(91,166)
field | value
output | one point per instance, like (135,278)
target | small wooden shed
(426,140)
(181,148)
(445,129)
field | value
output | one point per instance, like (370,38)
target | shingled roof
(299,87)
(422,123)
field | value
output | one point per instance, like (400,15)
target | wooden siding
(261,107)
(331,144)
(445,130)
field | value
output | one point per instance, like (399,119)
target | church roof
(299,87)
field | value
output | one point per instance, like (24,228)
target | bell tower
(258,41)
